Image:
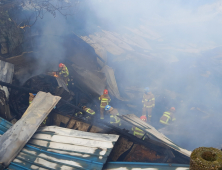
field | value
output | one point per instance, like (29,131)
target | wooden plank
(73,140)
(71,148)
(79,134)
(18,135)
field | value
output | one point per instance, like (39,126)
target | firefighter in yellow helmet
(168,117)
(137,131)
(64,73)
(114,119)
(105,99)
(148,103)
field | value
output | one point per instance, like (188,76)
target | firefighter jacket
(105,99)
(64,72)
(88,110)
(167,118)
(114,120)
(138,132)
(148,100)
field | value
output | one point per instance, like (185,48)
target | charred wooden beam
(28,90)
(18,87)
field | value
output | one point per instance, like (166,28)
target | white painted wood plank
(12,141)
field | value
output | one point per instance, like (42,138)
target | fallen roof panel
(54,147)
(152,132)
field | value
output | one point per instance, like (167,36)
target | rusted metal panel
(154,134)
(53,147)
(140,153)
(6,71)
(18,135)
(121,146)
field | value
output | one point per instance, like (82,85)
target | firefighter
(64,73)
(88,110)
(137,131)
(148,103)
(168,117)
(105,99)
(114,120)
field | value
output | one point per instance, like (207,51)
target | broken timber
(155,135)
(157,145)
(18,135)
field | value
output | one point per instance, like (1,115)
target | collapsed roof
(60,148)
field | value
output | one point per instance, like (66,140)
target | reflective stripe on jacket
(104,101)
(64,72)
(137,132)
(90,111)
(115,120)
(167,116)
(148,100)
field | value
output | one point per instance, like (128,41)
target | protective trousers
(102,113)
(149,111)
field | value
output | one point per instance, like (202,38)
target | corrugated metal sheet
(153,133)
(6,71)
(53,147)
(144,166)
(19,134)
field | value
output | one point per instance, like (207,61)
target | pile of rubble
(72,142)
